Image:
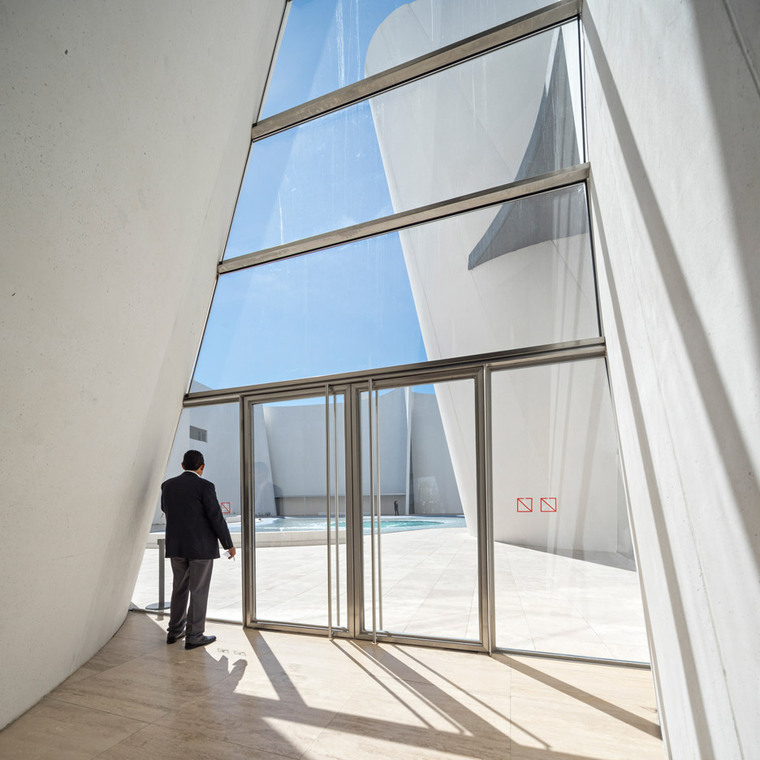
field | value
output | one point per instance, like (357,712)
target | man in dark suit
(194,526)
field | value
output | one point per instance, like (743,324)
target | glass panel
(328,44)
(565,577)
(426,560)
(291,522)
(508,276)
(214,431)
(332,311)
(511,114)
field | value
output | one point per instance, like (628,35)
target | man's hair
(192,460)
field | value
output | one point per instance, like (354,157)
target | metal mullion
(247,515)
(418,68)
(203,398)
(337,508)
(511,191)
(488,626)
(327,509)
(558,357)
(303,388)
(379,513)
(594,263)
(354,524)
(479,413)
(371,509)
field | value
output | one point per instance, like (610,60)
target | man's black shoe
(172,637)
(201,642)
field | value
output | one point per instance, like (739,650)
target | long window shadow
(592,700)
(470,734)
(388,697)
(417,686)
(406,675)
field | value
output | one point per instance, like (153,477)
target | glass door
(297,520)
(420,514)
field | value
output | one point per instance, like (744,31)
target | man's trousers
(192,578)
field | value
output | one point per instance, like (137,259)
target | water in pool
(387,524)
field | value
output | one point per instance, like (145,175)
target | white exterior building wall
(538,294)
(221,452)
(124,132)
(673,106)
(290,455)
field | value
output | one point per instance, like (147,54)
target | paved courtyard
(544,602)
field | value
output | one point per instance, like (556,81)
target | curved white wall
(673,113)
(540,291)
(125,129)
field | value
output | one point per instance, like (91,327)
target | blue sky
(323,48)
(340,310)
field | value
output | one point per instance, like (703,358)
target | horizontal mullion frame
(523,188)
(517,357)
(458,52)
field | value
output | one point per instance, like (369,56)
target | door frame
(351,389)
(379,383)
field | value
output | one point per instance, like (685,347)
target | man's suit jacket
(194,522)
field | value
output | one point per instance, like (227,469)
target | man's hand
(232,551)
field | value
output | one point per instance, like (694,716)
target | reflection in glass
(511,114)
(509,276)
(329,44)
(565,579)
(290,507)
(423,469)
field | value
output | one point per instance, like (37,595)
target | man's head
(193,460)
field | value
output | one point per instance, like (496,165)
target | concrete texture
(125,129)
(675,156)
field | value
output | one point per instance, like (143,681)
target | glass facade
(328,44)
(564,572)
(508,276)
(505,116)
(424,405)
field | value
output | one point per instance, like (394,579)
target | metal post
(162,605)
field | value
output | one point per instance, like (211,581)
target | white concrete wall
(124,133)
(221,451)
(290,446)
(674,137)
(479,121)
(554,437)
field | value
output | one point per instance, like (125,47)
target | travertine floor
(544,602)
(276,695)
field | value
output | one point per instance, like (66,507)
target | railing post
(162,605)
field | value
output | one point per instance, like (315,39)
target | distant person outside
(395,506)
(194,526)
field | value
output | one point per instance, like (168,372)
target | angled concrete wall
(673,113)
(125,128)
